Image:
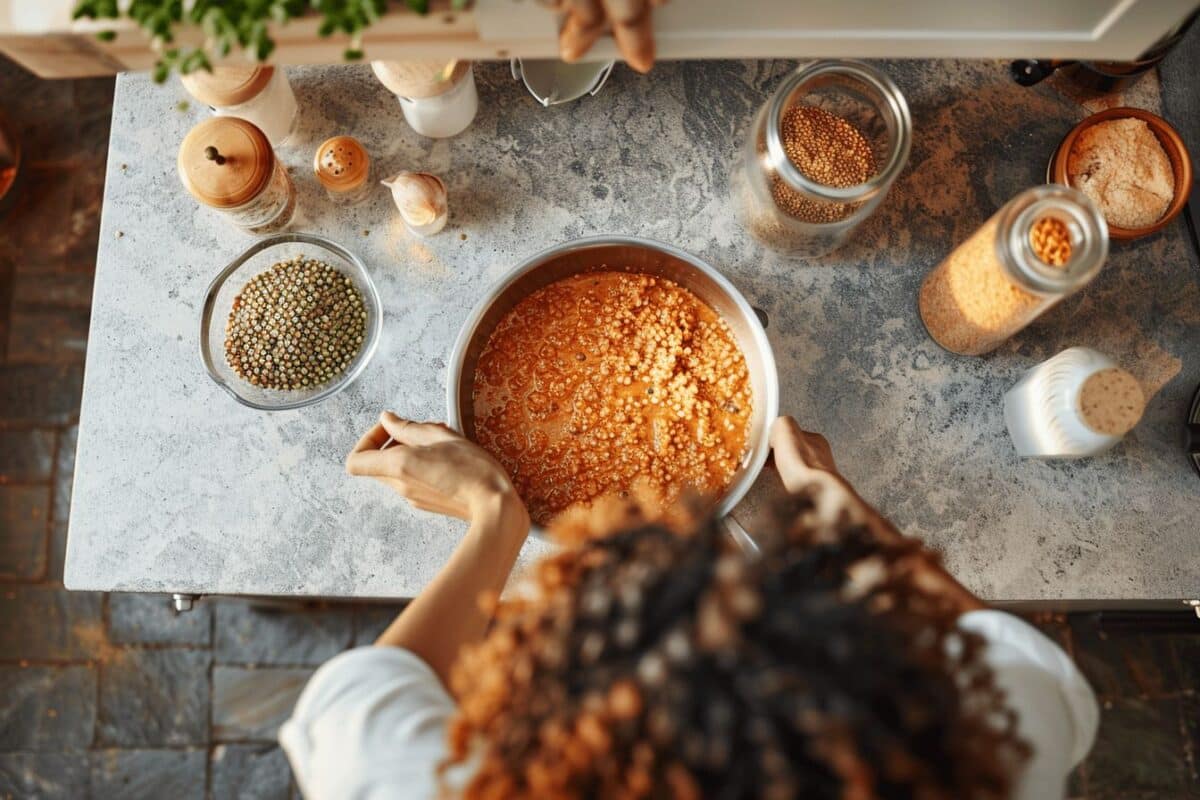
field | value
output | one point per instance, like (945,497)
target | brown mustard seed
(827,149)
(296,325)
(1051,241)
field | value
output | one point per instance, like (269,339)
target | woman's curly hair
(662,662)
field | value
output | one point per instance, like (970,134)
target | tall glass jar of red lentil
(821,155)
(1043,245)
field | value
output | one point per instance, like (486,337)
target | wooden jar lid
(1111,402)
(227,85)
(248,162)
(341,164)
(419,79)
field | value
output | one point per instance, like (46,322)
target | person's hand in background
(799,453)
(805,461)
(587,20)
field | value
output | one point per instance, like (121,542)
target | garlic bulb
(421,198)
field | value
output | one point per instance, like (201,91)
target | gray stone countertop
(179,489)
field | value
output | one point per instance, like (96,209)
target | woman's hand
(440,471)
(587,20)
(799,453)
(805,461)
(434,468)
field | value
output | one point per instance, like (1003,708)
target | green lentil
(296,325)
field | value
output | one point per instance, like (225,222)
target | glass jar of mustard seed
(1043,245)
(227,163)
(253,92)
(343,167)
(821,155)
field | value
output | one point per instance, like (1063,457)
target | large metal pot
(632,255)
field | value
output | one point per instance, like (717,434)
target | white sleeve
(1056,709)
(371,723)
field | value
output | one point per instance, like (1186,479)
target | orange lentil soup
(607,380)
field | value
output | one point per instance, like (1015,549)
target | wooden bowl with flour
(1172,145)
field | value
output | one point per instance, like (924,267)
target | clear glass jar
(1078,403)
(226,163)
(995,283)
(272,209)
(849,127)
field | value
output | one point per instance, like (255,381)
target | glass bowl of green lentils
(291,321)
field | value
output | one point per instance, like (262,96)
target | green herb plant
(230,25)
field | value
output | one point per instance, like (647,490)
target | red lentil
(609,383)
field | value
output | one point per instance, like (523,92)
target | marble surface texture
(180,489)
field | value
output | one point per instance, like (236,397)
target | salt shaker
(227,163)
(1078,403)
(343,167)
(257,93)
(1043,245)
(438,98)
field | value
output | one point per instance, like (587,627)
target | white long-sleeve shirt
(371,724)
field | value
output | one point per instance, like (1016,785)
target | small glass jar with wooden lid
(254,92)
(343,167)
(438,98)
(226,163)
(1043,245)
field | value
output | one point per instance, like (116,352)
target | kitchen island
(180,489)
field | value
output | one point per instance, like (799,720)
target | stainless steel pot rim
(758,452)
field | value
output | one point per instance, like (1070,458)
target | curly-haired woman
(644,660)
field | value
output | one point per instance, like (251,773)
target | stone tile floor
(116,696)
